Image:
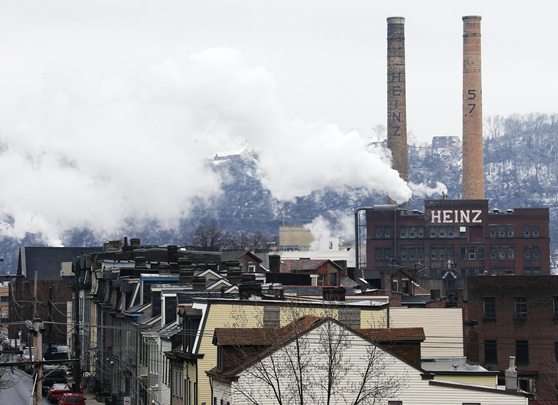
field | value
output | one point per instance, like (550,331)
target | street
(15,389)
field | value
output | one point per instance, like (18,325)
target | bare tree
(208,235)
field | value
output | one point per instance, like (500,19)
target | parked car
(73,398)
(56,391)
(57,352)
(54,375)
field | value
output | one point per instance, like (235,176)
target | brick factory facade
(450,240)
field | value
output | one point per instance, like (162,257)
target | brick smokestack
(473,165)
(396,104)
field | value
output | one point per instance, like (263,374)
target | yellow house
(189,382)
(442,350)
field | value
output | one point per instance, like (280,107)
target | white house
(316,358)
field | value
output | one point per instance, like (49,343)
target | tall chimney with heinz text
(473,165)
(396,99)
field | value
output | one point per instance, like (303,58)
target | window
(555,306)
(395,402)
(251,268)
(510,253)
(556,351)
(441,254)
(489,308)
(531,231)
(502,253)
(501,231)
(384,232)
(384,254)
(412,254)
(411,232)
(472,253)
(522,352)
(520,308)
(527,384)
(531,253)
(490,352)
(404,232)
(444,232)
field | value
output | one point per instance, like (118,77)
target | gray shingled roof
(47,260)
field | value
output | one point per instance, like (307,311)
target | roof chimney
(396,104)
(473,171)
(511,376)
(249,289)
(333,293)
(275,263)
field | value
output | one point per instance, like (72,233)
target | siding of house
(164,395)
(414,389)
(221,316)
(373,319)
(443,328)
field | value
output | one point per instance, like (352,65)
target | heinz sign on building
(458,212)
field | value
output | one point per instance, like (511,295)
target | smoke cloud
(331,228)
(423,190)
(93,149)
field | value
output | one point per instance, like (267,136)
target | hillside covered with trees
(521,169)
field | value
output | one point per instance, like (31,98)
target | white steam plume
(422,190)
(89,149)
(335,225)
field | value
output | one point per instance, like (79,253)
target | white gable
(414,388)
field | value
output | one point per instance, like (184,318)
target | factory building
(450,240)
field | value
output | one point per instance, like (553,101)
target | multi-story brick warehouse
(450,240)
(515,316)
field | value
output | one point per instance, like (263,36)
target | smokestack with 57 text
(396,104)
(473,171)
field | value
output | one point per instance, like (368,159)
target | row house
(52,267)
(129,297)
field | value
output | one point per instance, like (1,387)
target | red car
(72,398)
(56,392)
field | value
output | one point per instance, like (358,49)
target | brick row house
(515,316)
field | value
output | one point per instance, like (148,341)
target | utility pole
(38,337)
(37,328)
(76,371)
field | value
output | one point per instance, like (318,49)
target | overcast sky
(327,57)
